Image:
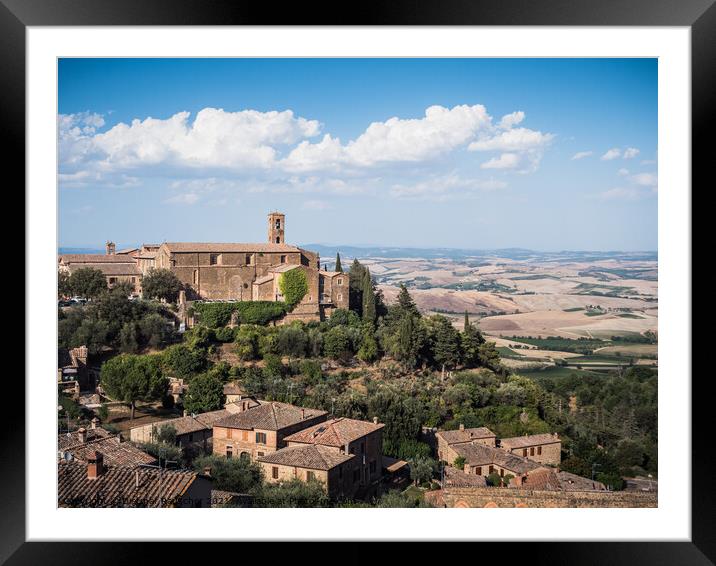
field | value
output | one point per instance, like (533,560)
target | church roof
(188,247)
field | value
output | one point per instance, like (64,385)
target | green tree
(292,341)
(422,469)
(293,493)
(205,393)
(406,302)
(161,284)
(64,289)
(459,462)
(88,282)
(470,341)
(337,344)
(338,263)
(247,342)
(489,356)
(444,342)
(369,312)
(355,280)
(239,475)
(128,337)
(130,378)
(368,351)
(184,362)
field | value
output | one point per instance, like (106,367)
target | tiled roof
(195,423)
(109,268)
(120,486)
(480,455)
(283,268)
(528,440)
(311,456)
(146,255)
(573,482)
(544,479)
(264,279)
(208,419)
(457,478)
(115,453)
(187,247)
(94,258)
(126,251)
(465,435)
(335,432)
(270,416)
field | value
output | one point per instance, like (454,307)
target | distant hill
(63,251)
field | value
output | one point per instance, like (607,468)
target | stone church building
(241,271)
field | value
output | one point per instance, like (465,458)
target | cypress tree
(368,298)
(467,322)
(338,263)
(406,303)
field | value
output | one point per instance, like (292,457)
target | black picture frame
(699,15)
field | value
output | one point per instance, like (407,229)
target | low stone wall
(511,497)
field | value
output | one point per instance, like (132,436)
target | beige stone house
(116,268)
(482,460)
(362,441)
(191,430)
(542,448)
(448,439)
(260,430)
(82,443)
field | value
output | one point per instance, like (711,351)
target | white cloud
(183,198)
(517,139)
(630,153)
(447,187)
(511,120)
(504,161)
(582,154)
(396,140)
(623,172)
(620,193)
(645,179)
(316,205)
(611,154)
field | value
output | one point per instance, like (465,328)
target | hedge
(217,315)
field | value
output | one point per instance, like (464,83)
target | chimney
(95,422)
(462,426)
(82,435)
(375,420)
(110,248)
(95,466)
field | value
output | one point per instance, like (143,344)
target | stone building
(115,267)
(81,444)
(345,454)
(447,440)
(227,271)
(260,430)
(542,448)
(482,460)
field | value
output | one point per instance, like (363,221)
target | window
(214,259)
(524,452)
(229,433)
(245,435)
(191,437)
(372,466)
(310,476)
(492,469)
(278,239)
(112,280)
(502,473)
(260,438)
(478,470)
(539,451)
(278,224)
(339,281)
(532,451)
(259,454)
(283,257)
(134,279)
(274,472)
(340,297)
(249,259)
(229,451)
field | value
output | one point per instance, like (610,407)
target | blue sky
(547,154)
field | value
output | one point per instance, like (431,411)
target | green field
(557,371)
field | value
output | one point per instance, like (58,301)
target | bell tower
(276,228)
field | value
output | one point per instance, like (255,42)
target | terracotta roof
(544,479)
(332,273)
(188,247)
(283,268)
(457,478)
(270,416)
(115,453)
(208,419)
(146,255)
(196,423)
(109,268)
(480,455)
(126,251)
(120,486)
(335,432)
(392,465)
(311,456)
(94,258)
(264,279)
(573,482)
(529,440)
(466,435)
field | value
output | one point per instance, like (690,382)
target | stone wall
(474,497)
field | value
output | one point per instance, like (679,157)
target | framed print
(414,278)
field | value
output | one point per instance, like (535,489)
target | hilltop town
(250,375)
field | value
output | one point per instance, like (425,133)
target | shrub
(225,334)
(293,286)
